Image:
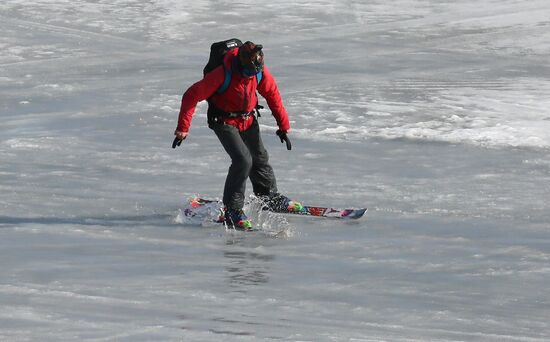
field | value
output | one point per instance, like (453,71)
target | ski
(201,211)
(198,207)
(213,209)
(350,214)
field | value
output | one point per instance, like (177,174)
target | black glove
(177,142)
(284,138)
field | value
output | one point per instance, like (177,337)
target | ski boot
(236,218)
(281,204)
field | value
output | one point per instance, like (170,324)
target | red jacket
(240,96)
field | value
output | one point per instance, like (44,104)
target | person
(231,117)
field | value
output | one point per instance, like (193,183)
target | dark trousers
(249,158)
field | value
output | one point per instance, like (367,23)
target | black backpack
(217,53)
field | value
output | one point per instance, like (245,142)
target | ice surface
(434,114)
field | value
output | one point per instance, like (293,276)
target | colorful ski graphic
(198,206)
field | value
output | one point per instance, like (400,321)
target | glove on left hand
(284,138)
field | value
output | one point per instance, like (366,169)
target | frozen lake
(433,114)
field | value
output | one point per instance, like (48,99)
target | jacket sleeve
(198,92)
(269,90)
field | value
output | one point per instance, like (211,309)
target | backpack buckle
(240,115)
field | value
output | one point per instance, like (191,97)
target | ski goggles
(252,58)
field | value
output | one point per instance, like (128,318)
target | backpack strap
(227,79)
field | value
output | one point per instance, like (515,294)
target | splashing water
(267,221)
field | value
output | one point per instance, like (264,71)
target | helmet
(251,58)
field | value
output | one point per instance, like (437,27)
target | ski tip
(355,214)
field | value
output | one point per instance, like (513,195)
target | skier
(231,117)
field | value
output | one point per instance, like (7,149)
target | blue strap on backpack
(227,80)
